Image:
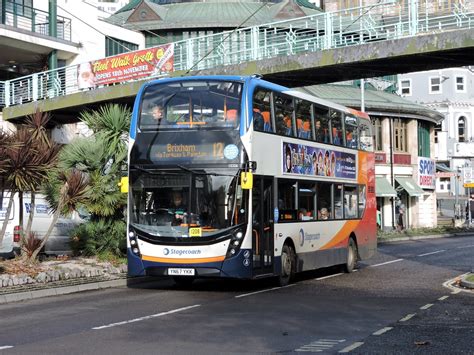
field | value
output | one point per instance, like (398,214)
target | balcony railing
(34,20)
(385,21)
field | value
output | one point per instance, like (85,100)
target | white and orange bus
(241,178)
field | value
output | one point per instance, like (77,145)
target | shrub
(30,243)
(102,236)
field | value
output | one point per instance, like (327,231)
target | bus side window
(338,208)
(350,201)
(303,119)
(361,200)
(321,124)
(261,110)
(336,125)
(284,115)
(352,140)
(286,200)
(365,133)
(324,205)
(306,195)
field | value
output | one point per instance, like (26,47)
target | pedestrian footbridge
(387,38)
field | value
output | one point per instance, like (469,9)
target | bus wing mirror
(246,180)
(123,184)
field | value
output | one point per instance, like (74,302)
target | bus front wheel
(288,264)
(351,262)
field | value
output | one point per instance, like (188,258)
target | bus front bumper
(238,266)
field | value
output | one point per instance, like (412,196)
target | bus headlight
(134,242)
(235,243)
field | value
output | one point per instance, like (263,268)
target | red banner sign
(127,66)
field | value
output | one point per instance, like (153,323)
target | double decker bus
(237,177)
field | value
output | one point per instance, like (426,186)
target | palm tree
(28,156)
(65,192)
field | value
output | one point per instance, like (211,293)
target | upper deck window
(191,105)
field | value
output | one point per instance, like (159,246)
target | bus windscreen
(191,105)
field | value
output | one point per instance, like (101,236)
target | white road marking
(328,277)
(388,262)
(433,252)
(320,345)
(262,291)
(443,298)
(383,330)
(351,347)
(146,317)
(6,347)
(456,291)
(465,246)
(449,284)
(407,317)
(426,306)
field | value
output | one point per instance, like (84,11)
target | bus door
(262,229)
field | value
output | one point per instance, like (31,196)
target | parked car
(58,242)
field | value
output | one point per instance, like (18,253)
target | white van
(58,242)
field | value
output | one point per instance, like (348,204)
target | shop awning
(410,186)
(383,188)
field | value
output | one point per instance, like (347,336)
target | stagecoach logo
(308,236)
(301,237)
(181,252)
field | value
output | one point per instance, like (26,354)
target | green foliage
(99,237)
(30,243)
(111,124)
(85,154)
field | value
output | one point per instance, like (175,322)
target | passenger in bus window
(324,213)
(157,114)
(319,131)
(258,121)
(335,137)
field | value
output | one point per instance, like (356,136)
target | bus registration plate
(180,272)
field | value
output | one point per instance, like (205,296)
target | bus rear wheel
(351,261)
(288,264)
(183,280)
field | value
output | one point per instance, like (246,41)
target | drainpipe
(53,32)
(392,177)
(4,13)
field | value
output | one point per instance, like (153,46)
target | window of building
(405,87)
(438,128)
(435,85)
(423,139)
(461,129)
(400,135)
(378,134)
(20,7)
(460,83)
(115,46)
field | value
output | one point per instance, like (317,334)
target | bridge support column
(53,32)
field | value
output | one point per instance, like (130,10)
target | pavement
(63,287)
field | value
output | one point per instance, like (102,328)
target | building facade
(451,92)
